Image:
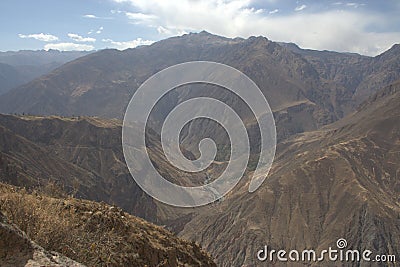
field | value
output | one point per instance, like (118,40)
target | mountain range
(335,174)
(306,89)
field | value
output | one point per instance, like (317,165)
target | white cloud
(127,44)
(300,8)
(91,16)
(40,36)
(141,17)
(69,47)
(274,11)
(162,30)
(347,30)
(78,38)
(350,4)
(355,5)
(100,30)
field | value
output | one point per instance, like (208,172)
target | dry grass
(96,234)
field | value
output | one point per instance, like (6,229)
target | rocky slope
(360,75)
(81,156)
(92,233)
(339,182)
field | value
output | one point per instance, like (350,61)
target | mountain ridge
(109,77)
(101,83)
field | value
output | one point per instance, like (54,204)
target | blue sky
(365,27)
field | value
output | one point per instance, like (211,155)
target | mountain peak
(204,34)
(198,38)
(394,50)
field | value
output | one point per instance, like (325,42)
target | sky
(365,27)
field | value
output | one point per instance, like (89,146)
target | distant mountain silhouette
(17,68)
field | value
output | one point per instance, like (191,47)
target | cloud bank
(40,37)
(90,16)
(78,38)
(300,8)
(126,44)
(346,28)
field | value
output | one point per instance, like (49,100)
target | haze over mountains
(17,68)
(335,174)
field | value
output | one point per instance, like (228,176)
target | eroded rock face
(339,182)
(16,249)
